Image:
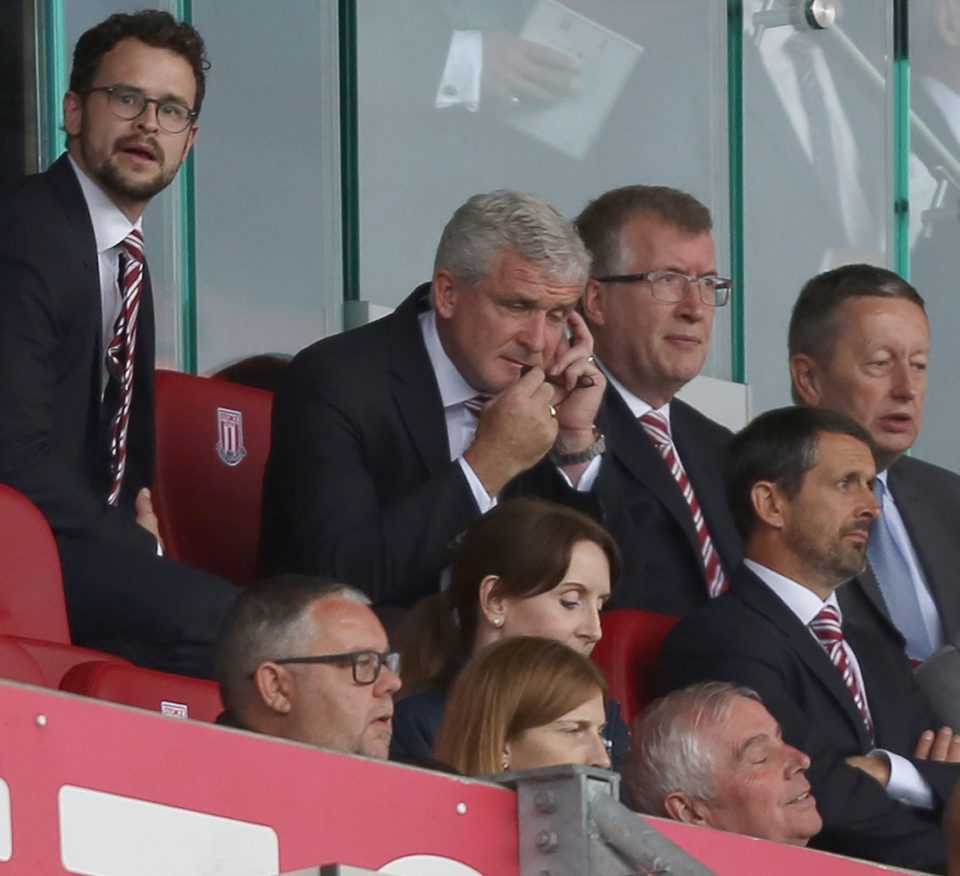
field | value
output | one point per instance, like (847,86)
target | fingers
(924,745)
(942,746)
(144,502)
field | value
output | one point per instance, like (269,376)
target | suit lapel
(414,384)
(764,601)
(635,451)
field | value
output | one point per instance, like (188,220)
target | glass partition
(817,166)
(565,102)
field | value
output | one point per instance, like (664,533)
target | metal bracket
(571,822)
(799,14)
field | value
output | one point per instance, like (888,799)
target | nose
(148,120)
(533,335)
(795,761)
(388,682)
(691,306)
(871,506)
(590,630)
(598,755)
(905,380)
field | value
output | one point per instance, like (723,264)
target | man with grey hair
(711,754)
(390,439)
(306,659)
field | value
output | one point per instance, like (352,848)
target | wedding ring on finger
(553,411)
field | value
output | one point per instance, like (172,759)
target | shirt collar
(454,390)
(110,225)
(802,601)
(638,407)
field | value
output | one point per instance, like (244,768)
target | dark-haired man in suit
(77,342)
(800,482)
(650,304)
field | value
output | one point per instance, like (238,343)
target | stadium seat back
(32,603)
(629,655)
(162,692)
(55,659)
(16,664)
(213,438)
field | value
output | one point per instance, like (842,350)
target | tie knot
(133,245)
(476,404)
(827,625)
(656,426)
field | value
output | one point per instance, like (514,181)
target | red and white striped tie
(121,352)
(829,632)
(658,430)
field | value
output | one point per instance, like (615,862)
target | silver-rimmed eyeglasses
(129,104)
(671,286)
(366,665)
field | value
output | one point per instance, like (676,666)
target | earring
(497,622)
(505,765)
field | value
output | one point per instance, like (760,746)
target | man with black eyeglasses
(305,659)
(77,342)
(650,305)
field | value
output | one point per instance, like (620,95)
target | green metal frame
(51,79)
(738,367)
(901,139)
(186,245)
(349,151)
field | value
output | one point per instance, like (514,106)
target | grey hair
(267,621)
(492,223)
(670,750)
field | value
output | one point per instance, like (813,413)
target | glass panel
(817,167)
(653,110)
(267,179)
(934,220)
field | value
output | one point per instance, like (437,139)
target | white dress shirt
(110,228)
(906,784)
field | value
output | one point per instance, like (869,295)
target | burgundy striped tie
(121,352)
(658,430)
(826,626)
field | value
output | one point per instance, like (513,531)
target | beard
(826,556)
(127,187)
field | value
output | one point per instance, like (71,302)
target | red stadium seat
(56,658)
(31,596)
(146,689)
(16,664)
(212,443)
(629,655)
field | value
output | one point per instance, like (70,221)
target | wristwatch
(580,456)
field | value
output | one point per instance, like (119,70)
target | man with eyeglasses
(650,304)
(305,659)
(77,342)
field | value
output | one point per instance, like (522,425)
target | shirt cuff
(587,479)
(906,784)
(483,499)
(460,83)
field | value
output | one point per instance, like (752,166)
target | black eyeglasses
(671,287)
(366,665)
(129,104)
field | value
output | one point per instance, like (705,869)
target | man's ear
(191,139)
(72,113)
(685,808)
(274,686)
(445,293)
(805,374)
(592,303)
(491,600)
(768,503)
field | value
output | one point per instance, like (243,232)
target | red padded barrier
(16,664)
(629,655)
(146,689)
(56,658)
(213,438)
(31,583)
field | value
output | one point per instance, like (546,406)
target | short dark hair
(780,446)
(151,26)
(602,219)
(815,323)
(265,618)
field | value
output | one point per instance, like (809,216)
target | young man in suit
(800,482)
(390,439)
(77,342)
(650,304)
(860,345)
